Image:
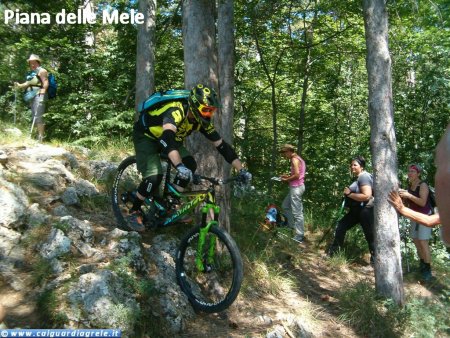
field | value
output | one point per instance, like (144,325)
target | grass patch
(269,278)
(143,287)
(369,314)
(428,317)
(47,304)
(42,270)
(98,202)
(374,316)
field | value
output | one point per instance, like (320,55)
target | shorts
(419,231)
(38,106)
(148,160)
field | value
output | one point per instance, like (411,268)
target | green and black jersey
(151,122)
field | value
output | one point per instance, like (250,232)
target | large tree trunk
(388,270)
(200,59)
(145,53)
(225,27)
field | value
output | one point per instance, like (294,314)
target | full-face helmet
(204,103)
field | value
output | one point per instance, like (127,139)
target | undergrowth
(270,259)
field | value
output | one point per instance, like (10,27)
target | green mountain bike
(208,263)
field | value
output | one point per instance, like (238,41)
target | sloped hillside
(65,264)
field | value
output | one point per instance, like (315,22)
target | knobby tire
(215,290)
(127,179)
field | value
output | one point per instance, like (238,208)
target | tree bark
(145,53)
(200,60)
(388,270)
(225,28)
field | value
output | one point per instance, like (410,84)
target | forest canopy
(301,60)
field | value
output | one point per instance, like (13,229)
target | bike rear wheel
(215,288)
(125,183)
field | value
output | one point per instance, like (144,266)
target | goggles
(205,110)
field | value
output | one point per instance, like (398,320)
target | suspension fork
(204,263)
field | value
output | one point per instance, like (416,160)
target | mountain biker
(162,131)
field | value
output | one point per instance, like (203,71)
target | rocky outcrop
(95,270)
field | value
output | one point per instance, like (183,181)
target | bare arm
(363,196)
(423,193)
(43,75)
(427,220)
(296,164)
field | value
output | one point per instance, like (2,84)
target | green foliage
(47,304)
(373,316)
(428,317)
(141,286)
(63,226)
(369,314)
(42,271)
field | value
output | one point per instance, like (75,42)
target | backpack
(275,216)
(432,198)
(52,86)
(157,98)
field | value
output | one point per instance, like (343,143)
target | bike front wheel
(214,286)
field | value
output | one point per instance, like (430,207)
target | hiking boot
(332,250)
(134,222)
(299,238)
(422,266)
(426,273)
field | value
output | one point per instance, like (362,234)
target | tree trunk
(388,270)
(200,59)
(145,53)
(308,37)
(271,78)
(225,27)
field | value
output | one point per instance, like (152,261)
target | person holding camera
(359,200)
(292,203)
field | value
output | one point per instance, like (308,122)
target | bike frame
(210,207)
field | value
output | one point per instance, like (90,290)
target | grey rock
(102,170)
(85,188)
(13,131)
(72,160)
(70,197)
(12,257)
(175,307)
(13,204)
(57,244)
(36,216)
(61,211)
(41,180)
(77,230)
(105,301)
